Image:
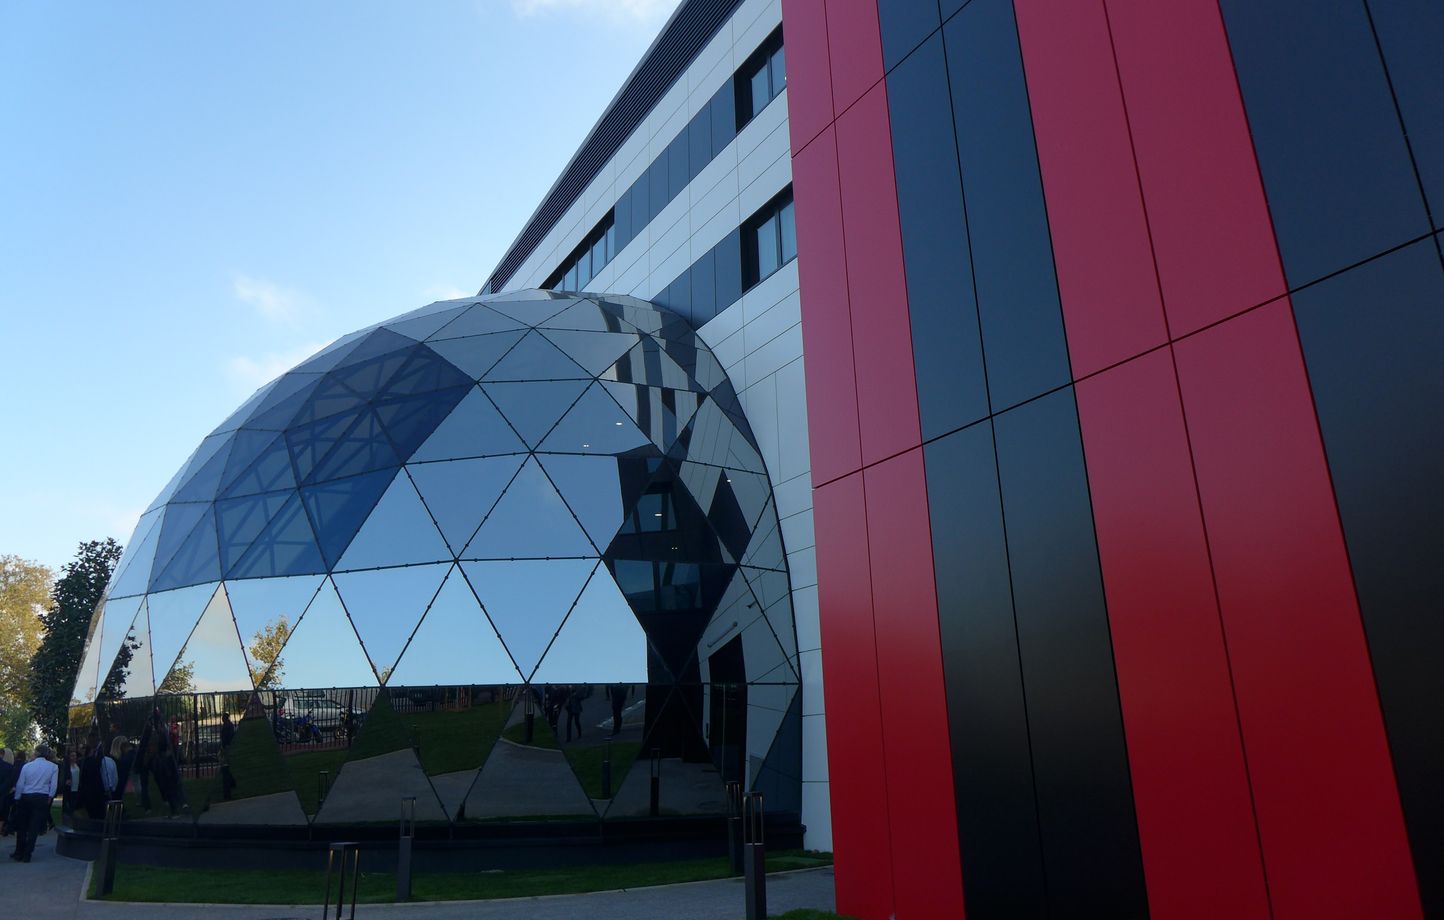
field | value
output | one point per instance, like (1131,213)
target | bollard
(403,848)
(529,715)
(339,856)
(109,847)
(655,808)
(734,827)
(323,786)
(607,772)
(755,859)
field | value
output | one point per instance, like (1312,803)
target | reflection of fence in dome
(529,489)
(469,754)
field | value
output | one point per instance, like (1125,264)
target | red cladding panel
(1095,211)
(887,398)
(809,76)
(1328,810)
(910,673)
(1212,236)
(855,48)
(860,803)
(826,324)
(1190,783)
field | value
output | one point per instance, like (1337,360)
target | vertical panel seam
(1398,111)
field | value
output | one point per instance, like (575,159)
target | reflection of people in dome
(574,712)
(617,693)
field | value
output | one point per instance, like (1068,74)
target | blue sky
(195,196)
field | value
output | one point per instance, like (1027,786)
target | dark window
(590,257)
(769,239)
(761,78)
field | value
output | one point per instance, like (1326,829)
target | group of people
(27,787)
(565,698)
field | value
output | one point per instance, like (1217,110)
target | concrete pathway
(50,888)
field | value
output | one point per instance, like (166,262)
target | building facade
(1100,402)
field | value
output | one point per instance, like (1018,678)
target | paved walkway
(50,887)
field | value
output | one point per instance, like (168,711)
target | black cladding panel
(904,24)
(1411,34)
(1340,183)
(1372,339)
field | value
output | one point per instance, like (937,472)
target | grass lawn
(586,761)
(383,732)
(541,735)
(458,739)
(299,886)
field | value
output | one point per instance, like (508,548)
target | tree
(267,668)
(57,661)
(114,686)
(181,679)
(24,596)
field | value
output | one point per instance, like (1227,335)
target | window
(761,78)
(769,239)
(588,259)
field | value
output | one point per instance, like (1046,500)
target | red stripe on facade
(887,396)
(826,323)
(1328,809)
(1190,783)
(1212,237)
(921,806)
(861,838)
(809,79)
(1100,233)
(854,47)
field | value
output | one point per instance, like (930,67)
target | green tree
(57,661)
(114,686)
(181,679)
(267,668)
(24,597)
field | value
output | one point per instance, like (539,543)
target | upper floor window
(769,239)
(588,259)
(761,78)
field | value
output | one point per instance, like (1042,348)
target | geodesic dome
(523,489)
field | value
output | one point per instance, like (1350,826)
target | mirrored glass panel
(381,769)
(526,776)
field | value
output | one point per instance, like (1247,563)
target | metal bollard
(109,847)
(655,807)
(755,859)
(734,827)
(403,848)
(339,856)
(323,786)
(607,772)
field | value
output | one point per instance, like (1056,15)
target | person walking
(72,785)
(34,791)
(8,771)
(574,713)
(9,810)
(92,778)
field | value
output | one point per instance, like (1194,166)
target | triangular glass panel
(127,673)
(322,650)
(120,614)
(708,371)
(240,520)
(765,551)
(474,355)
(589,317)
(530,310)
(665,524)
(285,400)
(762,650)
(363,367)
(608,721)
(712,437)
(385,605)
(328,357)
(689,781)
(459,493)
(419,327)
(774,743)
(399,531)
(257,603)
(247,446)
(286,547)
(132,574)
(239,417)
(477,320)
(527,600)
(173,614)
(530,520)
(178,523)
(86,676)
(592,489)
(526,776)
(595,425)
(381,769)
(197,560)
(252,785)
(212,655)
(312,442)
(455,644)
(533,408)
(473,429)
(203,484)
(337,509)
(649,365)
(595,351)
(536,358)
(738,607)
(659,412)
(455,728)
(425,371)
(437,306)
(270,471)
(364,447)
(600,641)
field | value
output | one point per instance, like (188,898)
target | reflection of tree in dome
(181,679)
(267,668)
(114,686)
